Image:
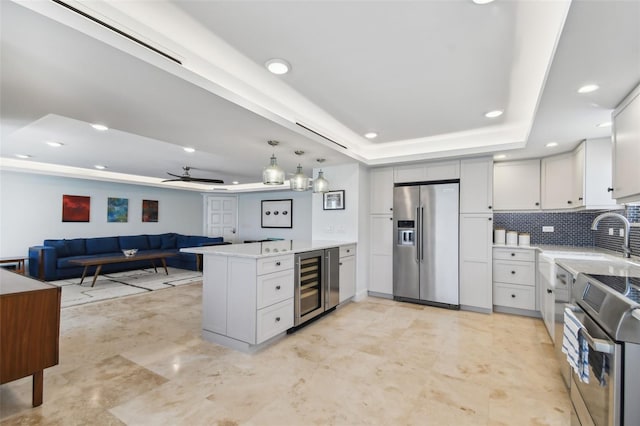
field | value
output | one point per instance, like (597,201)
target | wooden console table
(100,261)
(29,329)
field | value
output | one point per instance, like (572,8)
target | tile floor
(139,360)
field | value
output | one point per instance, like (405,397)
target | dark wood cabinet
(29,329)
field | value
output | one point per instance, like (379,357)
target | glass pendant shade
(320,184)
(273,174)
(299,182)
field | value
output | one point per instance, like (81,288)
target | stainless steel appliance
(609,309)
(562,290)
(425,253)
(317,283)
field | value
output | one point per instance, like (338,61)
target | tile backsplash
(572,228)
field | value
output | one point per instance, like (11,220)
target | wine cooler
(317,283)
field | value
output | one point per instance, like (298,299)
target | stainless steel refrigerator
(425,251)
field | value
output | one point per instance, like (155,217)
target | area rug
(119,284)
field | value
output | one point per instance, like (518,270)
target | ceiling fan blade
(171,174)
(204,180)
(172,180)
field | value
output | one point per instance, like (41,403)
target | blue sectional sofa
(50,261)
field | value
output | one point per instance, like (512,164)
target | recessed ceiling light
(235,182)
(278,66)
(23,156)
(189,150)
(588,88)
(605,124)
(499,156)
(371,135)
(55,144)
(100,127)
(100,167)
(551,144)
(482,1)
(494,114)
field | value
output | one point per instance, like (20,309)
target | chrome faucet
(626,250)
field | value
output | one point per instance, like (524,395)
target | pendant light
(299,181)
(273,174)
(320,184)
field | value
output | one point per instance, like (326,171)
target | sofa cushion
(76,247)
(139,242)
(155,241)
(102,245)
(60,245)
(168,242)
(210,241)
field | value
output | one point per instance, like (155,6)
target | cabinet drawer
(274,320)
(275,264)
(514,296)
(274,288)
(522,273)
(349,250)
(514,254)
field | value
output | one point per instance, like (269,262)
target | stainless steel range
(609,310)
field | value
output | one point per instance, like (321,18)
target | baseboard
(475,309)
(380,295)
(514,311)
(361,295)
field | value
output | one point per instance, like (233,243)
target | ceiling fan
(186,177)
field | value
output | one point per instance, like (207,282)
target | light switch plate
(547,229)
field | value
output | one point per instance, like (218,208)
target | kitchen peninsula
(248,290)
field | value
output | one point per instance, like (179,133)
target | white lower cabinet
(347,273)
(381,255)
(514,278)
(475,261)
(245,299)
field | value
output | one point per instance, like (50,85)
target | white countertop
(266,249)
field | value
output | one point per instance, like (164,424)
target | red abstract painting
(75,208)
(149,210)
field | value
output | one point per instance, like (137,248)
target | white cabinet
(514,278)
(427,172)
(381,185)
(597,173)
(557,181)
(626,148)
(475,261)
(546,296)
(476,185)
(579,175)
(381,255)
(246,300)
(347,273)
(516,185)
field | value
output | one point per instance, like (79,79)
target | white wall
(249,213)
(31,210)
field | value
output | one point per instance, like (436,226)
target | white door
(221,217)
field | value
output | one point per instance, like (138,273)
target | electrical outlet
(610,231)
(547,229)
(621,232)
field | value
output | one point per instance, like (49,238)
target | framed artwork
(333,200)
(149,210)
(117,209)
(277,213)
(76,208)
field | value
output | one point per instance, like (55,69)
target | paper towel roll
(499,236)
(512,238)
(524,239)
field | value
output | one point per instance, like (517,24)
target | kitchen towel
(599,363)
(575,346)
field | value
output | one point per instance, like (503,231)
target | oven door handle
(598,345)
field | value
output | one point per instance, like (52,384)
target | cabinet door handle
(513,272)
(549,291)
(513,296)
(390,208)
(348,250)
(580,198)
(490,219)
(513,254)
(277,263)
(490,207)
(537,203)
(609,189)
(340,263)
(569,202)
(277,319)
(277,287)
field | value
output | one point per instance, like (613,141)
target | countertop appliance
(317,284)
(609,309)
(425,252)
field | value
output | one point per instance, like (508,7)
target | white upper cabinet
(426,172)
(557,181)
(381,187)
(578,163)
(597,174)
(516,185)
(626,149)
(476,185)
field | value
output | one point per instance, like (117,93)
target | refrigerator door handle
(421,233)
(418,238)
